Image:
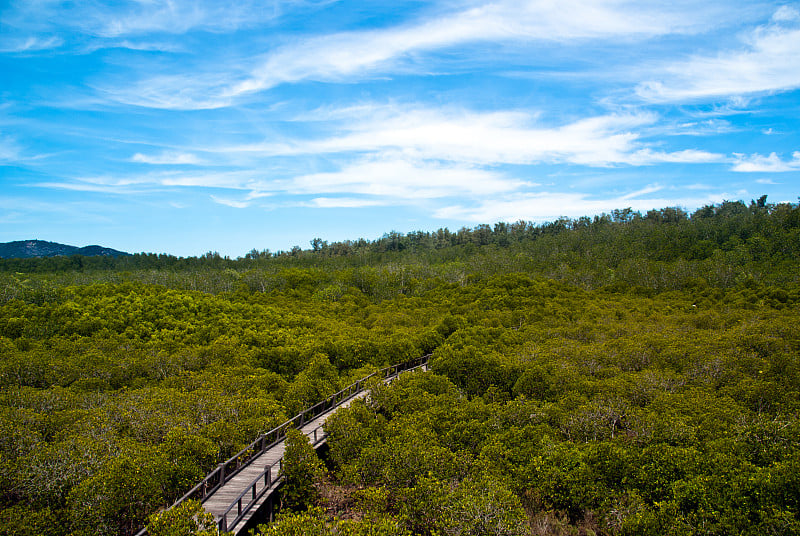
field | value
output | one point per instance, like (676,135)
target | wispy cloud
(128,183)
(197,91)
(346,202)
(137,17)
(707,127)
(398,178)
(786,13)
(373,180)
(767,164)
(408,48)
(29,44)
(115,189)
(491,138)
(768,61)
(230,202)
(644,157)
(332,57)
(9,149)
(548,206)
(166,158)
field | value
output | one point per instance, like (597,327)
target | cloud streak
(29,44)
(138,17)
(549,206)
(491,138)
(9,149)
(768,61)
(410,48)
(766,164)
(337,56)
(166,158)
(403,179)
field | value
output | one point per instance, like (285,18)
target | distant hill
(26,249)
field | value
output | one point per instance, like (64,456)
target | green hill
(25,249)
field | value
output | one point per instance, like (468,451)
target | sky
(188,126)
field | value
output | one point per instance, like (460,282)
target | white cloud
(332,57)
(786,13)
(30,44)
(708,127)
(9,149)
(166,158)
(345,202)
(255,193)
(115,189)
(689,156)
(141,45)
(395,177)
(643,191)
(549,206)
(137,17)
(766,164)
(233,180)
(246,180)
(345,56)
(767,62)
(230,202)
(490,138)
(197,91)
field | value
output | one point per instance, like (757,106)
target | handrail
(256,495)
(221,474)
(242,511)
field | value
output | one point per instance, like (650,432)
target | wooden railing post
(246,456)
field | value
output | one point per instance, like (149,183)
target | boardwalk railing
(233,465)
(250,496)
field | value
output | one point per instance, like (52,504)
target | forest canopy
(623,374)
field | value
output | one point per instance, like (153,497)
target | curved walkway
(244,484)
(255,485)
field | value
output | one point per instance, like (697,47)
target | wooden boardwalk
(223,503)
(245,484)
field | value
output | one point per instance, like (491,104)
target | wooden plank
(221,500)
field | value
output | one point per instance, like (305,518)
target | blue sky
(186,126)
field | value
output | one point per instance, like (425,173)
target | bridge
(245,484)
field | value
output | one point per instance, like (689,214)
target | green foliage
(186,519)
(315,522)
(316,382)
(624,374)
(470,508)
(302,472)
(118,498)
(19,520)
